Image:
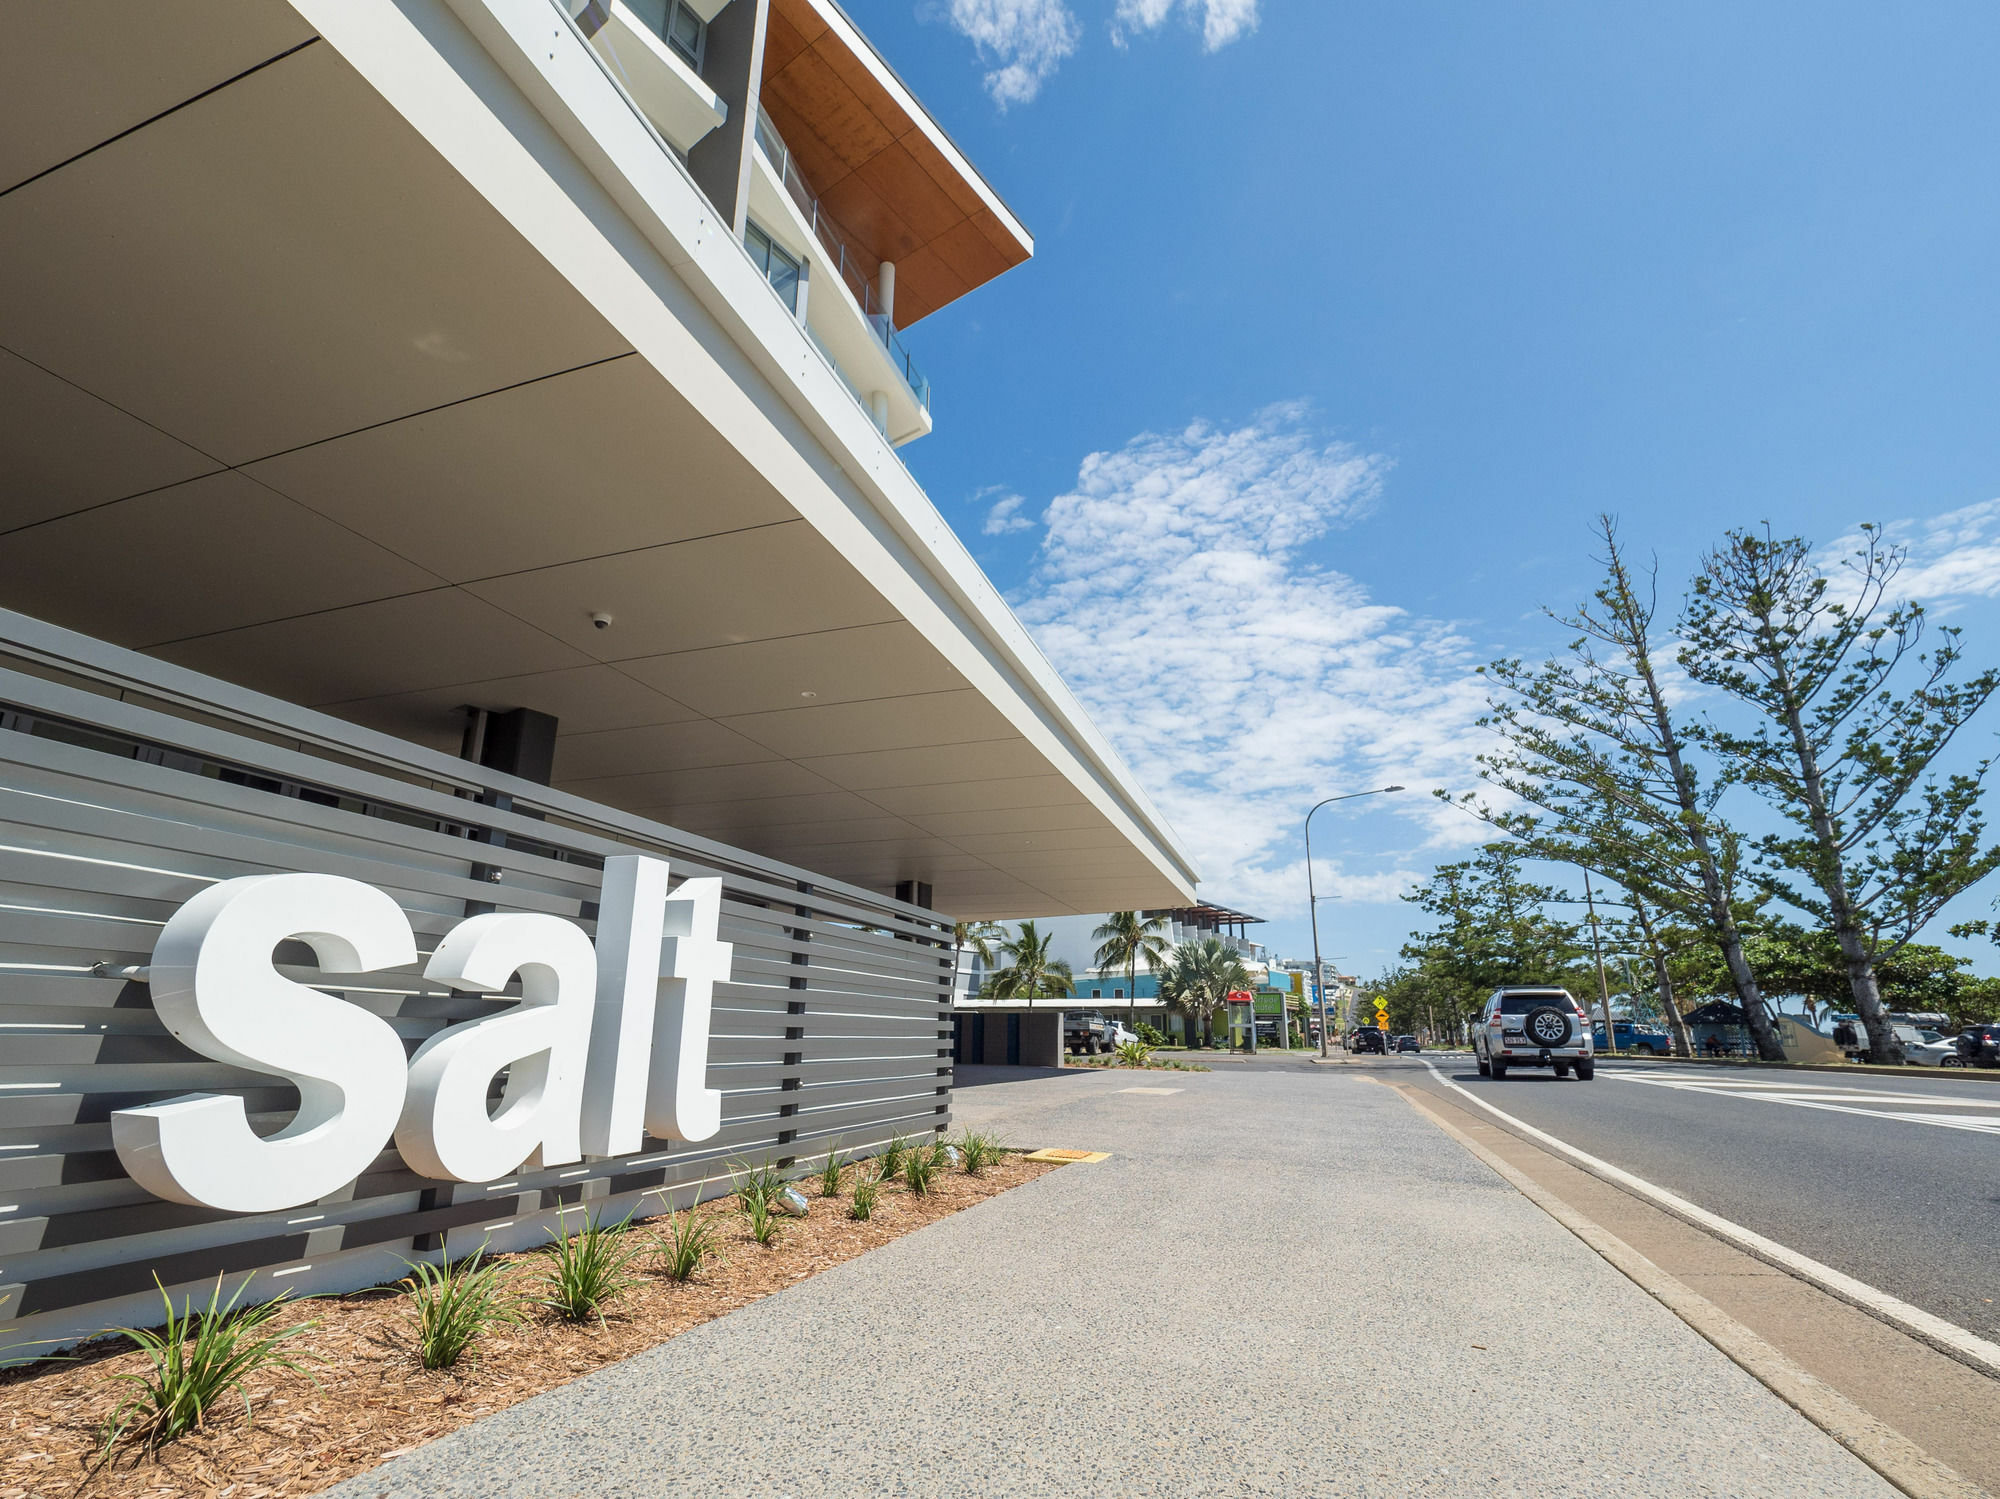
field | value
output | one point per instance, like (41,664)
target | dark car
(1978,1046)
(1408,1043)
(1370,1040)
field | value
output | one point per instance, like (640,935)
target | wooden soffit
(889,178)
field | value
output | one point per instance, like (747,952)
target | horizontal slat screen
(128,785)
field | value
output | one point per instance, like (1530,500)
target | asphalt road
(1893,1180)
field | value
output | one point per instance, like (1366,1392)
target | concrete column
(878,407)
(732,65)
(885,290)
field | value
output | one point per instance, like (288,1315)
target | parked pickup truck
(1088,1031)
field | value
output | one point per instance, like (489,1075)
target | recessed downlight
(808,694)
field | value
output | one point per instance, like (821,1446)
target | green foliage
(890,1161)
(1126,939)
(761,1183)
(830,1171)
(1149,1035)
(1199,978)
(455,1304)
(1879,839)
(1134,1053)
(586,1271)
(691,1241)
(866,1190)
(194,1360)
(1030,972)
(762,1219)
(920,1170)
(977,1150)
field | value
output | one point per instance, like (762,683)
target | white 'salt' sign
(607,1044)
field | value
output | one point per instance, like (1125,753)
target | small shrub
(759,1183)
(688,1245)
(455,1303)
(977,1151)
(1149,1035)
(763,1220)
(586,1271)
(195,1360)
(829,1173)
(1134,1054)
(920,1170)
(866,1190)
(891,1159)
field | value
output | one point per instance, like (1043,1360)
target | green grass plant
(921,1167)
(977,1150)
(195,1360)
(891,1158)
(586,1271)
(455,1303)
(689,1243)
(1134,1053)
(866,1190)
(761,1183)
(829,1173)
(762,1219)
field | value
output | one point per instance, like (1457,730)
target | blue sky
(1345,318)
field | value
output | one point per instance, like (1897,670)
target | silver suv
(1533,1028)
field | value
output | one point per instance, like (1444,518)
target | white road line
(1843,1101)
(1926,1327)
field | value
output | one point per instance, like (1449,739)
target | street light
(1312,902)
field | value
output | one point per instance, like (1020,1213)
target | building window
(679,27)
(1117,993)
(1097,994)
(779,265)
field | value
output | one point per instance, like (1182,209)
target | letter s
(214,986)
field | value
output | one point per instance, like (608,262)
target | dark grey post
(732,65)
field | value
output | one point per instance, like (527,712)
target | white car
(1118,1034)
(1930,1050)
(1537,1027)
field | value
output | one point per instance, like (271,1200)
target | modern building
(452,447)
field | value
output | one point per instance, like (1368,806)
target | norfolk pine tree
(1593,742)
(1880,841)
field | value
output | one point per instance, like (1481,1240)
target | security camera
(601,620)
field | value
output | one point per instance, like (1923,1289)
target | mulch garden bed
(371,1400)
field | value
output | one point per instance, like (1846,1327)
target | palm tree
(1125,940)
(1200,977)
(980,936)
(1030,974)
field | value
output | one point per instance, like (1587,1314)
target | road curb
(1899,1460)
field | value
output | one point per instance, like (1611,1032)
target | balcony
(836,298)
(653,59)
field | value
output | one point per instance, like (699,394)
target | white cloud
(1951,556)
(1025,38)
(1222,21)
(1241,679)
(1005,517)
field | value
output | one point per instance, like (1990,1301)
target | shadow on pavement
(968,1075)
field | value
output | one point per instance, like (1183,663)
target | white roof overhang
(364,369)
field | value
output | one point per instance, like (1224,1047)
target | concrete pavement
(1284,1281)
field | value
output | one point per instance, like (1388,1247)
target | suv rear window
(1520,1004)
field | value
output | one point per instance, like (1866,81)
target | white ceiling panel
(989,760)
(75,75)
(720,590)
(280,560)
(603,459)
(866,661)
(581,698)
(277,263)
(62,449)
(654,748)
(930,718)
(405,644)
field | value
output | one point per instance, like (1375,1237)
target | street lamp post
(1312,901)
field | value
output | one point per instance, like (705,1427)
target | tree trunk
(1855,952)
(1683,1045)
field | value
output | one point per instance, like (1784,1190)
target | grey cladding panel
(127,785)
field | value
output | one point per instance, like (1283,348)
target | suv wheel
(1499,1068)
(1485,1067)
(1548,1026)
(1586,1068)
(1562,1069)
